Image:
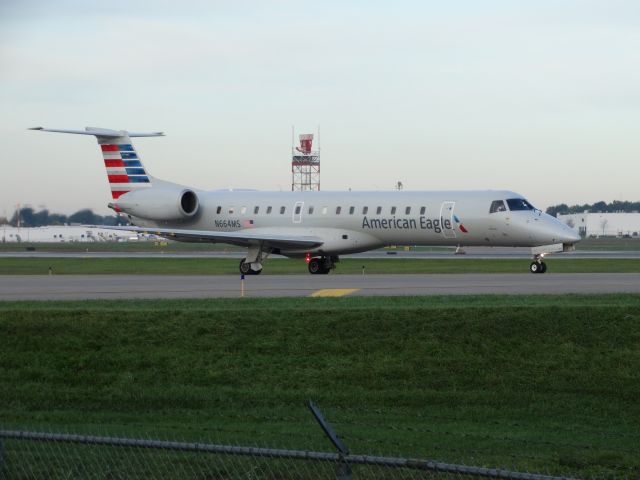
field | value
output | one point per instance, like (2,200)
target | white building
(589,224)
(64,234)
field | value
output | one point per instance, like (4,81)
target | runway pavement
(472,252)
(80,287)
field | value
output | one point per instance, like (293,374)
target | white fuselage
(319,224)
(350,222)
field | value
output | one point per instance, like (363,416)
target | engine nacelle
(160,204)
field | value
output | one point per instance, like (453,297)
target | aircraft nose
(554,231)
(574,237)
(567,234)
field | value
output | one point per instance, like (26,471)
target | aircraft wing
(242,238)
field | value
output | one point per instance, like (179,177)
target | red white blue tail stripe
(124,168)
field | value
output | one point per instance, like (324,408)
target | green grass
(542,383)
(217,266)
(133,246)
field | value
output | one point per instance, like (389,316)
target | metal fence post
(343,469)
(2,466)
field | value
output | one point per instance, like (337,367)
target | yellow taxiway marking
(333,292)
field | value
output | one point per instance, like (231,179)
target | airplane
(320,226)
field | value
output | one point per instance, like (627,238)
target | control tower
(305,165)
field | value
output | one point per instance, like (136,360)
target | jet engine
(159,204)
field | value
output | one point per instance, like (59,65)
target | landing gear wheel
(245,268)
(538,267)
(321,266)
(315,266)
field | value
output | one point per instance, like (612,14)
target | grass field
(544,383)
(218,266)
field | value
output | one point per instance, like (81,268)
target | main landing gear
(537,266)
(322,265)
(245,268)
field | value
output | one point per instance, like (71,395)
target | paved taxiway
(80,287)
(481,253)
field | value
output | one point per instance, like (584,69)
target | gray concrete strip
(478,253)
(82,287)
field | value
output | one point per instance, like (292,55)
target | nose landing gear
(538,266)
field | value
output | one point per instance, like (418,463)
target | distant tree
(558,209)
(24,216)
(41,218)
(29,218)
(601,206)
(58,219)
(85,216)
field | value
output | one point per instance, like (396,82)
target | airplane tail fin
(125,171)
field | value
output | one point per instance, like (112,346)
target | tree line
(599,207)
(28,217)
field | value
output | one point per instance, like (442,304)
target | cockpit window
(519,204)
(497,206)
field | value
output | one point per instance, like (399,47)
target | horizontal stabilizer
(101,132)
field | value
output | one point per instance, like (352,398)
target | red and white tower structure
(305,165)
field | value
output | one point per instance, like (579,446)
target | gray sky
(539,97)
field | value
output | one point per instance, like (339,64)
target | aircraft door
(446,219)
(297,212)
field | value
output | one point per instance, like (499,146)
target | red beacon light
(307,258)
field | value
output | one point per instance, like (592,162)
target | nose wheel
(538,266)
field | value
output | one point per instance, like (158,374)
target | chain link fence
(29,455)
(26,454)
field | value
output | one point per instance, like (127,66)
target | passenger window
(243,210)
(378,210)
(231,210)
(268,210)
(365,210)
(338,210)
(297,209)
(218,210)
(497,206)
(393,210)
(407,210)
(282,210)
(311,210)
(423,210)
(256,210)
(351,210)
